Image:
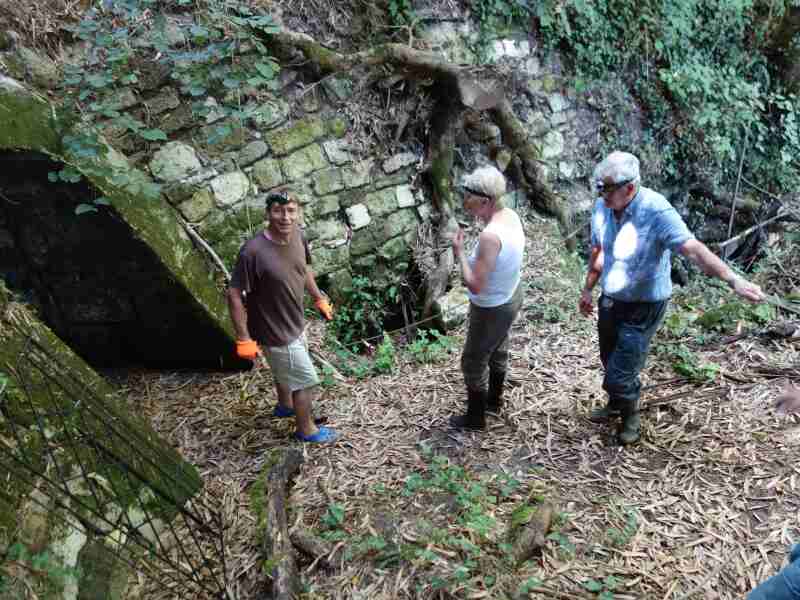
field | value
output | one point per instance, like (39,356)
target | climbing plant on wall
(701,69)
(219,54)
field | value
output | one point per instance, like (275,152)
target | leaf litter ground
(704,506)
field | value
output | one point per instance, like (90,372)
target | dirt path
(703,507)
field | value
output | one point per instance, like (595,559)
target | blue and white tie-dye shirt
(636,249)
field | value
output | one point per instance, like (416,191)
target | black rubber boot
(631,424)
(494,399)
(601,415)
(476,412)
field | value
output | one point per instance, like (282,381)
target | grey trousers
(486,348)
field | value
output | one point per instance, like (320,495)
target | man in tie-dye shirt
(634,230)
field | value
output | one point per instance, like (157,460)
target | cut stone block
(299,134)
(230,188)
(405,197)
(198,206)
(452,308)
(304,161)
(358,216)
(267,173)
(337,151)
(328,181)
(174,161)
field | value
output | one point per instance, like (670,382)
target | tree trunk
(443,131)
(457,88)
(276,546)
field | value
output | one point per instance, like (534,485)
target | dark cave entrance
(96,285)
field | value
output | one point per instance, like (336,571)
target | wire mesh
(100,470)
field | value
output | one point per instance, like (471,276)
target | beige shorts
(291,365)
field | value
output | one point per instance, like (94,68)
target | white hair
(619,167)
(487,181)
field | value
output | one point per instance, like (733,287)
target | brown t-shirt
(273,277)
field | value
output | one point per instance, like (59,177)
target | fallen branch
(276,545)
(313,546)
(204,244)
(533,536)
(747,232)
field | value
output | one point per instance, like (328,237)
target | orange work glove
(325,308)
(247,350)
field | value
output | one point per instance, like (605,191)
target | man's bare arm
(713,266)
(238,312)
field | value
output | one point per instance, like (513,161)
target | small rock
(453,308)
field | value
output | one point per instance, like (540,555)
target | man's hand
(324,307)
(585,304)
(247,349)
(747,290)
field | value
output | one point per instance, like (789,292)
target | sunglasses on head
(281,198)
(474,192)
(607,188)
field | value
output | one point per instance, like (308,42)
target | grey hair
(486,180)
(619,166)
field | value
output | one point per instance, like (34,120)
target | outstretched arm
(711,265)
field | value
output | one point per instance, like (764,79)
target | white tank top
(504,279)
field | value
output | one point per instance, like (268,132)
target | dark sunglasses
(605,189)
(281,198)
(469,190)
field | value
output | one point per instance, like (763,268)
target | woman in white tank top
(491,273)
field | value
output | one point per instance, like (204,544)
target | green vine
(222,56)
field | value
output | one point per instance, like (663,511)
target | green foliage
(359,315)
(385,359)
(619,537)
(44,574)
(687,363)
(726,316)
(701,68)
(223,55)
(430,346)
(604,589)
(401,12)
(461,552)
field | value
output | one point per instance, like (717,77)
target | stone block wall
(360,212)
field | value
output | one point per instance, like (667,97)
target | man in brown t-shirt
(265,300)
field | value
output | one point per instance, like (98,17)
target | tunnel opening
(98,286)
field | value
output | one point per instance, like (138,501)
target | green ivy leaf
(84,208)
(102,201)
(52,177)
(593,586)
(153,135)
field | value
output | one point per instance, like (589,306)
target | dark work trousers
(625,330)
(783,586)
(487,341)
